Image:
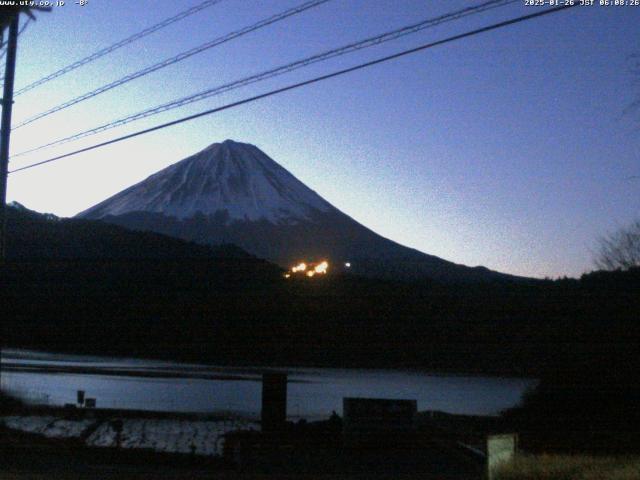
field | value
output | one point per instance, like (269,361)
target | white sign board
(500,449)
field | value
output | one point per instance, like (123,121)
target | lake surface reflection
(313,393)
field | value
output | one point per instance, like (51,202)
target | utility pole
(5,132)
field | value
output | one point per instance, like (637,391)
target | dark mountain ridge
(32,235)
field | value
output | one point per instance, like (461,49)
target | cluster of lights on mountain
(310,269)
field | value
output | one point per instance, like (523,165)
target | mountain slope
(234,193)
(37,236)
(229,177)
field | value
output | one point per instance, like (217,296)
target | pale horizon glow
(509,150)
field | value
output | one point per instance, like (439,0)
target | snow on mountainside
(233,193)
(231,176)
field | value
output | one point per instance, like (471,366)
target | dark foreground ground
(24,458)
(305,451)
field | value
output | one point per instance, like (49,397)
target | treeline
(201,304)
(243,311)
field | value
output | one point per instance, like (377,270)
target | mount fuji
(232,192)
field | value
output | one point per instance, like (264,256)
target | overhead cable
(301,84)
(3,47)
(352,47)
(117,45)
(175,59)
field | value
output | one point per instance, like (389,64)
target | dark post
(5,133)
(274,401)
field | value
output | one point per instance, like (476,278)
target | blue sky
(508,150)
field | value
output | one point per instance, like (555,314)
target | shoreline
(248,369)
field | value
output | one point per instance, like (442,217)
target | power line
(178,58)
(4,50)
(121,43)
(24,27)
(369,42)
(302,84)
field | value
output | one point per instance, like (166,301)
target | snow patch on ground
(167,435)
(197,437)
(48,426)
(63,428)
(30,424)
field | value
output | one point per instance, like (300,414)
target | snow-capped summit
(236,178)
(233,193)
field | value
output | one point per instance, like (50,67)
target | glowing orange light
(321,267)
(301,267)
(309,270)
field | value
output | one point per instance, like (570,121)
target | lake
(313,393)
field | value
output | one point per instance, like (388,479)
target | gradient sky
(509,150)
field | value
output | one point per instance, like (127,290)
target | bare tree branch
(620,250)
